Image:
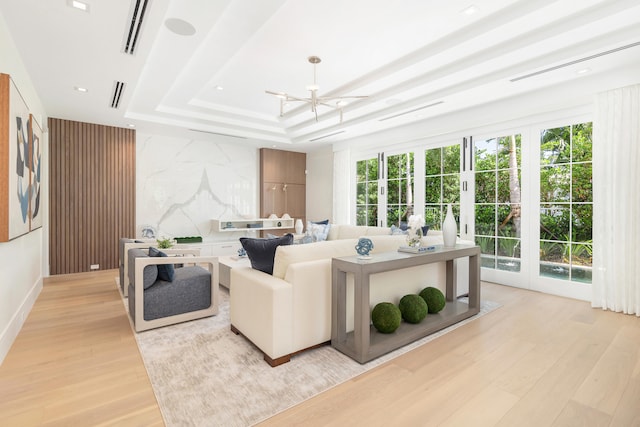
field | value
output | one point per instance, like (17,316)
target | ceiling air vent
(577,61)
(411,111)
(326,136)
(116,95)
(132,32)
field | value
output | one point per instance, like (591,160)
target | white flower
(415,221)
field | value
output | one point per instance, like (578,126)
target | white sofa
(290,311)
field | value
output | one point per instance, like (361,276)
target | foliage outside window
(442,184)
(498,201)
(367,192)
(399,188)
(566,202)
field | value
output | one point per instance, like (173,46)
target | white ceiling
(425,57)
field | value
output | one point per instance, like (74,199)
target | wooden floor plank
(75,361)
(537,360)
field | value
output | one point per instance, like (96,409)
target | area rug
(205,375)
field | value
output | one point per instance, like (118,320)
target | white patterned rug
(205,375)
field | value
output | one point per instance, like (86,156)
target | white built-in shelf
(223,225)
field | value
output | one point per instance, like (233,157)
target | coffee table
(226,264)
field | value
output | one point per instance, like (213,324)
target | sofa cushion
(338,232)
(286,255)
(261,252)
(166,272)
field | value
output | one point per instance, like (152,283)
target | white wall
(319,204)
(182,184)
(22,259)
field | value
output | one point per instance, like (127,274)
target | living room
(172,151)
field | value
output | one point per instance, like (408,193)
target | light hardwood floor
(538,360)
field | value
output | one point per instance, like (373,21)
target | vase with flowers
(414,230)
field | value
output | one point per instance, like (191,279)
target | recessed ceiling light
(81,89)
(218,87)
(79,5)
(131,125)
(180,27)
(583,71)
(470,10)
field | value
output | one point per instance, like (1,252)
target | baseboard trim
(12,330)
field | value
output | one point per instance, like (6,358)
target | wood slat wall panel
(91,194)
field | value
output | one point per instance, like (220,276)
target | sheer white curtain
(616,201)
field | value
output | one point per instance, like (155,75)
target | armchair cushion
(149,276)
(166,272)
(150,272)
(262,251)
(190,291)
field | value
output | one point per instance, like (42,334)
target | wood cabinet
(283,182)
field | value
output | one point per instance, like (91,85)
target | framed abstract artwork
(15,162)
(35,173)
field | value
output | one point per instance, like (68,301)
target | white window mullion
(418,182)
(467,191)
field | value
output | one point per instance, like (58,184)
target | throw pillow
(397,230)
(166,272)
(261,252)
(318,232)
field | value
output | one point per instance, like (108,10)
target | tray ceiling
(202,67)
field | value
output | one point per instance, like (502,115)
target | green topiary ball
(413,308)
(434,298)
(386,317)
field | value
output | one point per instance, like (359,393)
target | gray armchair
(192,294)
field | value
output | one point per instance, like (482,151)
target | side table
(365,342)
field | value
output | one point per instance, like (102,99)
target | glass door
(442,184)
(498,208)
(565,210)
(367,184)
(400,193)
(385,189)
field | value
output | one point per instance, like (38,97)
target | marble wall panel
(182,184)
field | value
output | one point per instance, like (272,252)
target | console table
(365,342)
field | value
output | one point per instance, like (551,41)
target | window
(442,184)
(566,202)
(498,202)
(367,192)
(399,188)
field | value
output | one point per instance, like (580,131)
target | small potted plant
(165,242)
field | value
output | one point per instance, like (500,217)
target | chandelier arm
(314,100)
